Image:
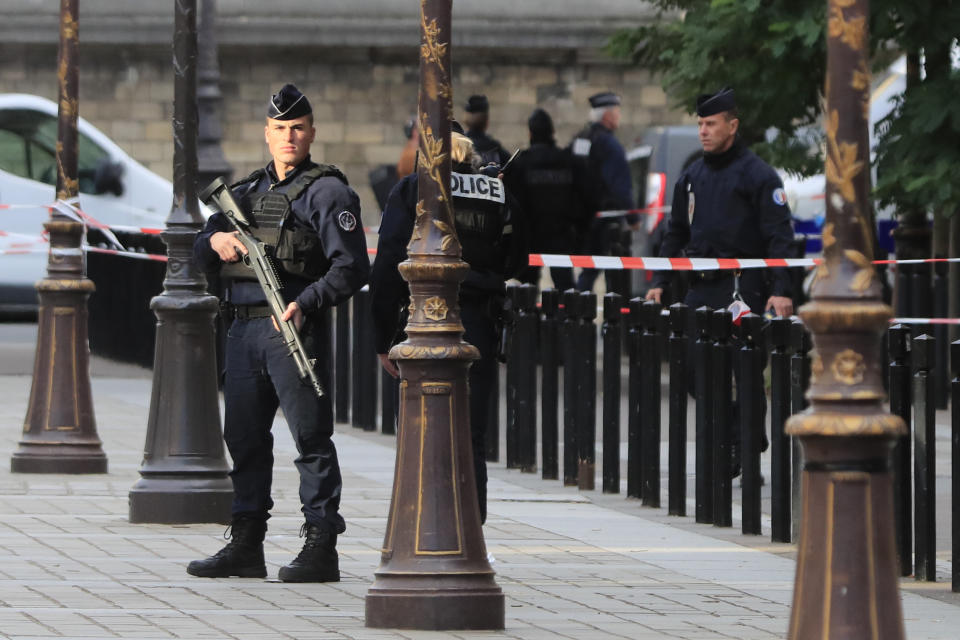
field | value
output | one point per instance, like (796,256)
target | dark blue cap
(604,99)
(709,104)
(288,104)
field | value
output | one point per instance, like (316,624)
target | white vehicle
(114,190)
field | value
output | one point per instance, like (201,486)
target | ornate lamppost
(211,162)
(434,573)
(60,432)
(184,470)
(846,583)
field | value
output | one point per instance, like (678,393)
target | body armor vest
(479,205)
(293,248)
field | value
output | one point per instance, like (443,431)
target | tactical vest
(293,248)
(480,211)
(549,181)
(582,149)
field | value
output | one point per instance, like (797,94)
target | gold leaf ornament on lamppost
(434,572)
(846,584)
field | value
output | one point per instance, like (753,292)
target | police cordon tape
(688,264)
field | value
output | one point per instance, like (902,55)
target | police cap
(604,99)
(477,104)
(288,104)
(709,104)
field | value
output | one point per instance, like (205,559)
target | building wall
(360,98)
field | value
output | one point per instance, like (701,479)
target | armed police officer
(309,218)
(491,238)
(605,162)
(550,186)
(728,204)
(477,120)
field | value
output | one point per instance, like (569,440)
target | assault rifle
(257,259)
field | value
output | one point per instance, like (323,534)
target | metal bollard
(721,368)
(342,385)
(752,399)
(515,369)
(389,401)
(587,418)
(365,364)
(955,465)
(612,341)
(677,451)
(571,385)
(924,460)
(941,366)
(634,413)
(549,379)
(650,405)
(525,354)
(704,388)
(799,381)
(779,442)
(899,390)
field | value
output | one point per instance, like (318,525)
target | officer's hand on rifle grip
(227,246)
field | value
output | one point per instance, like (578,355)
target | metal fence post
(924,460)
(702,358)
(513,368)
(549,379)
(941,366)
(634,414)
(955,466)
(900,405)
(721,369)
(752,399)
(799,380)
(650,404)
(677,451)
(587,419)
(571,386)
(525,350)
(779,442)
(612,341)
(342,356)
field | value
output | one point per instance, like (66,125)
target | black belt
(247,312)
(713,275)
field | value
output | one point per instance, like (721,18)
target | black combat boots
(242,557)
(318,560)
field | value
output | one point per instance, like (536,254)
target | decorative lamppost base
(56,458)
(471,605)
(181,500)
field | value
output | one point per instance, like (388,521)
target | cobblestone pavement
(571,564)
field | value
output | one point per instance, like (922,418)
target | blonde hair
(461,150)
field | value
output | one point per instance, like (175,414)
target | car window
(30,139)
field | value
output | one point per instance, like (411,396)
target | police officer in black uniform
(728,204)
(551,188)
(605,162)
(310,219)
(477,121)
(491,238)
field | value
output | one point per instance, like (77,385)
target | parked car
(114,189)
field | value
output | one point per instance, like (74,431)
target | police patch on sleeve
(347,221)
(779,196)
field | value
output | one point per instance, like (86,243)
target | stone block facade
(360,99)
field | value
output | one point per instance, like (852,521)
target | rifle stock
(217,193)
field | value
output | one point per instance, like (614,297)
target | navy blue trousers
(480,330)
(260,377)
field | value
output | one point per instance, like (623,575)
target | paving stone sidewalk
(571,565)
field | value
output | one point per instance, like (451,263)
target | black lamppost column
(433,571)
(846,583)
(211,162)
(60,432)
(184,470)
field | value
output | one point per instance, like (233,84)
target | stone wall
(360,97)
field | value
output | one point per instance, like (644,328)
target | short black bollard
(924,460)
(587,417)
(571,385)
(704,388)
(779,442)
(801,343)
(721,367)
(752,399)
(899,390)
(941,367)
(677,452)
(525,378)
(650,404)
(389,401)
(612,341)
(342,356)
(634,412)
(549,382)
(955,466)
(515,369)
(365,364)
(493,435)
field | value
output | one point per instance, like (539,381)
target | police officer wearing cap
(728,204)
(477,121)
(309,217)
(492,242)
(551,188)
(605,162)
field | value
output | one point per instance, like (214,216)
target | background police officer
(310,218)
(491,238)
(477,120)
(550,186)
(728,204)
(608,173)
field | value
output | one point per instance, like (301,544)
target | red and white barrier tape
(689,264)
